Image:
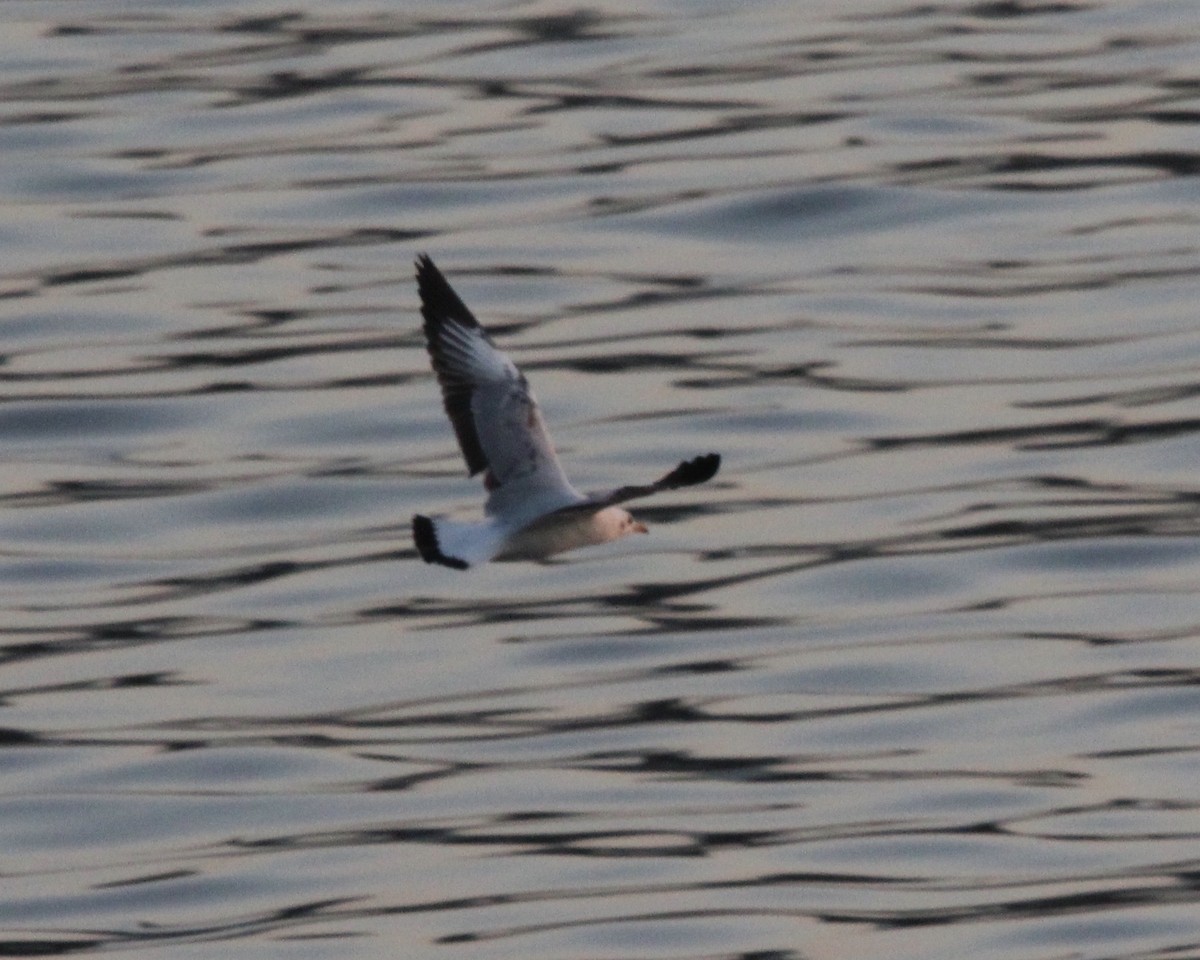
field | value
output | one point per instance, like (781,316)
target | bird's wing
(494,414)
(689,473)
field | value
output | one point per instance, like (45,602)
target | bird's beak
(640,527)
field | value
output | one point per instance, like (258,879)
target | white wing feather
(494,412)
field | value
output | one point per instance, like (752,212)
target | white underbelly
(543,540)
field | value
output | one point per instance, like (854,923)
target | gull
(532,511)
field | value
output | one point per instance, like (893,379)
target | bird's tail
(455,544)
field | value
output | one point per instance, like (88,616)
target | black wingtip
(439,302)
(440,305)
(425,537)
(691,472)
(426,273)
(426,268)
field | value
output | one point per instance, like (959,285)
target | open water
(918,676)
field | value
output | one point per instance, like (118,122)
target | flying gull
(532,511)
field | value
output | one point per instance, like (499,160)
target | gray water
(915,677)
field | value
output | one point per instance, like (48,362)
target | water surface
(915,677)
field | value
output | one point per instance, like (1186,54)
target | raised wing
(494,414)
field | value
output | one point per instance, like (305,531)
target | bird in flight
(532,511)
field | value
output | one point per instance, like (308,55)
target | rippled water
(916,677)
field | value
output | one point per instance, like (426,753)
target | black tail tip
(425,537)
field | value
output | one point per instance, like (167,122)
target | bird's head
(619,522)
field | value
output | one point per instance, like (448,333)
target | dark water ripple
(915,677)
